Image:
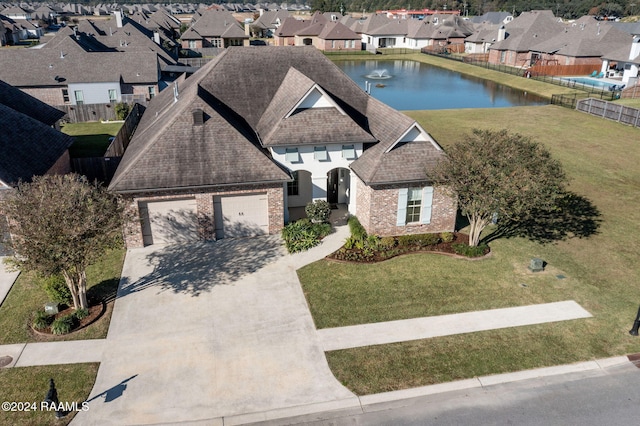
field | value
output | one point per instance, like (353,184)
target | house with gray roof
(268,22)
(235,151)
(214,28)
(522,35)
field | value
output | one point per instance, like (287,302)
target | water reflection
(417,86)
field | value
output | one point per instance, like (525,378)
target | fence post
(589,101)
(604,111)
(637,117)
(620,115)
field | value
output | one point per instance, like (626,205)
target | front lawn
(27,296)
(91,138)
(31,384)
(599,272)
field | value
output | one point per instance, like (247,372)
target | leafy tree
(497,172)
(61,225)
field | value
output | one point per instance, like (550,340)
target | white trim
(427,138)
(401,218)
(426,205)
(324,95)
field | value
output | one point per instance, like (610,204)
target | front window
(216,42)
(414,201)
(291,155)
(113,96)
(348,152)
(193,44)
(293,188)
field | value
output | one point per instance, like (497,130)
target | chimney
(156,37)
(502,32)
(118,15)
(635,47)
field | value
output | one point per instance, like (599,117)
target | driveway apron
(210,330)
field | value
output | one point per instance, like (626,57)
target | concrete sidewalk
(6,279)
(445,325)
(50,353)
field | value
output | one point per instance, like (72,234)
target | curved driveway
(211,330)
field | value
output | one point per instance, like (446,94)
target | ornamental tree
(499,173)
(61,225)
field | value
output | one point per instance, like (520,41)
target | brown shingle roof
(19,101)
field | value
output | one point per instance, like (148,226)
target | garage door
(241,216)
(165,222)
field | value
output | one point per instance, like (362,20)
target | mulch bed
(439,248)
(95,312)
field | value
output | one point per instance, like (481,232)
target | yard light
(636,325)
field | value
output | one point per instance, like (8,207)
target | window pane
(293,188)
(414,201)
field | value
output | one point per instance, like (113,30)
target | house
(319,31)
(583,42)
(236,151)
(93,63)
(625,60)
(268,23)
(521,35)
(30,144)
(214,28)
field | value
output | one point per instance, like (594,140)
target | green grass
(27,296)
(91,139)
(31,384)
(600,157)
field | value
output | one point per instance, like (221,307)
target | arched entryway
(338,184)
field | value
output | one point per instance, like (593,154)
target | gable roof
(528,30)
(20,102)
(247,109)
(28,146)
(218,23)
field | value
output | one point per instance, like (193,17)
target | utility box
(536,265)
(51,308)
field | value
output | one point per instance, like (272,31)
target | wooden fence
(101,169)
(96,112)
(610,110)
(584,70)
(121,141)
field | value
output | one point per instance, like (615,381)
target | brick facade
(204,209)
(377,210)
(48,95)
(62,166)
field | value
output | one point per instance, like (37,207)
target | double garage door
(176,221)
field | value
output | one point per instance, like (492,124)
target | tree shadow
(105,291)
(198,267)
(572,216)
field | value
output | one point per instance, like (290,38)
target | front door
(332,186)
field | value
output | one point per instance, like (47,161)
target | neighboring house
(214,28)
(522,35)
(285,35)
(483,37)
(16,13)
(235,151)
(30,144)
(583,42)
(268,23)
(493,18)
(626,60)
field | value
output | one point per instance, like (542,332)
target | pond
(410,85)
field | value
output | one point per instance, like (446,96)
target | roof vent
(198,117)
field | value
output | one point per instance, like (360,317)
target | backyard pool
(411,85)
(586,81)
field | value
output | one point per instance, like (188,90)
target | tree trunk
(73,288)
(82,290)
(476,226)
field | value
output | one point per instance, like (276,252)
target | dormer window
(320,153)
(348,152)
(291,155)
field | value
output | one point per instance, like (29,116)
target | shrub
(350,243)
(41,320)
(81,313)
(469,251)
(387,243)
(62,325)
(318,211)
(122,110)
(428,239)
(357,230)
(446,237)
(57,289)
(303,235)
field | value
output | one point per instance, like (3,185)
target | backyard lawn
(91,138)
(599,272)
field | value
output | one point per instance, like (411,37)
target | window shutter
(427,201)
(402,207)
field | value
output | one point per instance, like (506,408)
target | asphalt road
(595,398)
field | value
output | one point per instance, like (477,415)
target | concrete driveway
(211,330)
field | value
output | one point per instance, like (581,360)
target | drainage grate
(5,360)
